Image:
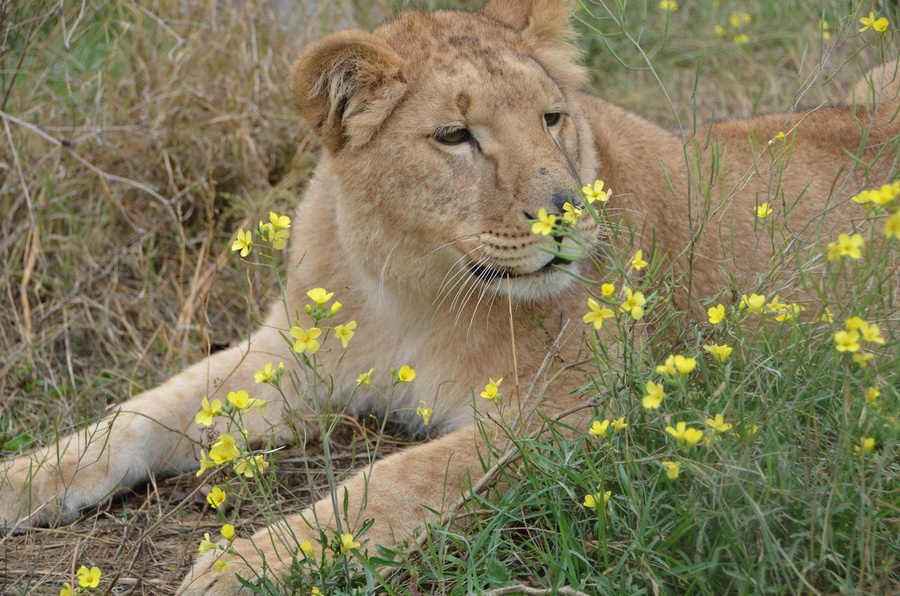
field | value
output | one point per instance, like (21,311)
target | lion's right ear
(345,86)
(546,26)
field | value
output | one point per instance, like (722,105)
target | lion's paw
(24,500)
(218,573)
(36,491)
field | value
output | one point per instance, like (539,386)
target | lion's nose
(561,196)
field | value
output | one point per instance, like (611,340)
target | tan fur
(392,218)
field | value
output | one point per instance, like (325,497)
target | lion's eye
(552,118)
(453,136)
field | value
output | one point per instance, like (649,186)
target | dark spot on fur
(463,101)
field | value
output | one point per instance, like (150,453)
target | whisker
(384,267)
(485,289)
(445,281)
(452,242)
(462,286)
(461,277)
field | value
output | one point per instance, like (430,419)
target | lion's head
(446,133)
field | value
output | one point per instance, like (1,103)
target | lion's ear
(345,86)
(545,25)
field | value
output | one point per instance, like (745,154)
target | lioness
(445,135)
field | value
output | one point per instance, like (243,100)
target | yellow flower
(788,312)
(335,307)
(669,5)
(216,497)
(267,374)
(824,27)
(208,411)
(753,303)
(591,501)
(654,396)
(240,399)
(866,445)
(736,19)
(862,359)
(277,237)
(221,566)
(720,30)
(244,242)
(424,411)
(718,424)
(854,323)
(66,590)
(749,432)
(667,369)
(763,209)
(827,316)
(863,197)
(619,425)
(871,332)
(879,25)
(491,390)
(638,261)
(345,333)
(306,340)
(684,365)
(850,245)
(607,290)
(405,374)
(672,469)
(319,296)
(846,341)
(720,353)
(872,395)
(571,213)
(348,543)
(88,578)
(687,437)
(279,222)
(307,549)
(892,226)
(596,193)
(846,246)
(716,314)
(739,39)
(224,449)
(596,314)
(365,378)
(599,428)
(544,224)
(634,304)
(227,531)
(206,544)
(205,464)
(250,465)
(315,592)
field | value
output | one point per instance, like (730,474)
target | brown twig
(101,173)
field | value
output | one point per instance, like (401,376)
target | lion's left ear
(346,85)
(545,25)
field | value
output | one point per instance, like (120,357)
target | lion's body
(427,243)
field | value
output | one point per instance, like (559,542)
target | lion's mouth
(486,273)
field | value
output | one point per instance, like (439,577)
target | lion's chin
(550,281)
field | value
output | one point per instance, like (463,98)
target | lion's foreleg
(150,433)
(399,494)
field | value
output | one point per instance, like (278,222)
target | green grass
(108,289)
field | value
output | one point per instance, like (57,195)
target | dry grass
(136,137)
